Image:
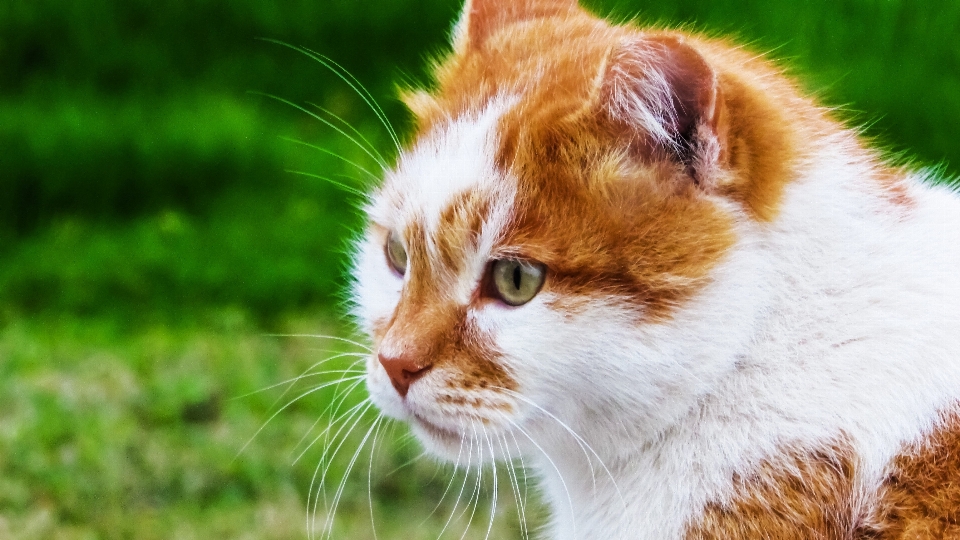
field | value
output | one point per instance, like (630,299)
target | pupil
(516,277)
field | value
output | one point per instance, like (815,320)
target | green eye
(516,281)
(396,254)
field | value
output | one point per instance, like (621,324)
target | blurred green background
(156,259)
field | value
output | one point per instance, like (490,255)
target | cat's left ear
(666,93)
(482,18)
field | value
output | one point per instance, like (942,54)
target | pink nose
(403,371)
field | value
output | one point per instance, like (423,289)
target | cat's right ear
(663,91)
(483,18)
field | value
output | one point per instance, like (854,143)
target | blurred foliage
(150,234)
(117,115)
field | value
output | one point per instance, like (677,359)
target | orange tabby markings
(603,206)
(805,495)
(430,326)
(921,497)
(812,495)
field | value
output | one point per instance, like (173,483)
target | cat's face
(527,258)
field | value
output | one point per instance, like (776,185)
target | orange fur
(808,495)
(921,497)
(600,204)
(813,495)
(432,328)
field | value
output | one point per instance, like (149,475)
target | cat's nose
(403,371)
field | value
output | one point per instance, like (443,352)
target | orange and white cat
(698,305)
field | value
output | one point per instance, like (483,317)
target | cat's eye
(396,253)
(516,281)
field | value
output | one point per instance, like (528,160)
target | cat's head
(536,252)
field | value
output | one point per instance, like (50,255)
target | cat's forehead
(449,181)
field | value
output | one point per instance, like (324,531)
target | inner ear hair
(669,98)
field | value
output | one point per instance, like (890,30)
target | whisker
(329,180)
(308,373)
(355,84)
(373,447)
(296,379)
(336,403)
(406,464)
(475,497)
(526,481)
(323,464)
(331,153)
(349,126)
(348,415)
(584,445)
(346,476)
(365,94)
(323,336)
(493,464)
(514,483)
(274,415)
(463,487)
(555,468)
(329,461)
(449,484)
(324,121)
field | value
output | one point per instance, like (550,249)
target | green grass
(151,242)
(151,430)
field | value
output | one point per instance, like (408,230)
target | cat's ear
(663,90)
(482,18)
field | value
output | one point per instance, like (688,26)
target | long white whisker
(341,185)
(584,445)
(352,82)
(463,487)
(346,476)
(493,464)
(274,415)
(338,401)
(323,336)
(349,414)
(369,98)
(514,483)
(526,481)
(373,447)
(407,463)
(331,153)
(555,468)
(325,122)
(293,380)
(475,496)
(349,126)
(308,373)
(329,461)
(449,484)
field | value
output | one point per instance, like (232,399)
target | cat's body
(744,324)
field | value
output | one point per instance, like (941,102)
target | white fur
(839,319)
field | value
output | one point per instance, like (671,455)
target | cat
(696,304)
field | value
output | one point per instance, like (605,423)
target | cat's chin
(439,441)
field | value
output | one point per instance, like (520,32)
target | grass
(153,430)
